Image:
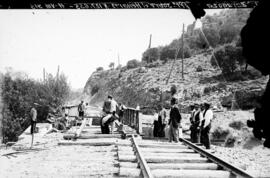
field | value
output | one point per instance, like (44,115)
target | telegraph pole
(150,41)
(183,51)
(44,75)
(118,59)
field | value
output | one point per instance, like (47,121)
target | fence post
(1,109)
(139,122)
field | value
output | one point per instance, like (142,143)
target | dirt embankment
(144,86)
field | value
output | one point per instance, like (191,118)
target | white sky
(82,40)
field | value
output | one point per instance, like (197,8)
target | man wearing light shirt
(206,125)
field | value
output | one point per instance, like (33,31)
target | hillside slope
(143,86)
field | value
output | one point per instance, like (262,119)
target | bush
(238,125)
(220,133)
(123,69)
(230,140)
(19,94)
(150,55)
(134,63)
(94,90)
(99,69)
(207,90)
(199,69)
(228,58)
(153,64)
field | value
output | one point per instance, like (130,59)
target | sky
(79,41)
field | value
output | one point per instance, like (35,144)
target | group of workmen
(170,117)
(200,123)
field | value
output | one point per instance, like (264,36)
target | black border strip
(87,4)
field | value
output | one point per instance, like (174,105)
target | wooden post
(183,51)
(1,116)
(43,74)
(150,41)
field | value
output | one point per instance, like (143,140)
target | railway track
(152,158)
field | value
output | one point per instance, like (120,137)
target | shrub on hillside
(199,69)
(94,90)
(99,69)
(231,140)
(150,55)
(153,64)
(228,58)
(123,69)
(220,133)
(134,63)
(238,125)
(207,90)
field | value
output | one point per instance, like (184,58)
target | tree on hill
(228,58)
(111,65)
(134,63)
(150,55)
(19,94)
(99,69)
(167,53)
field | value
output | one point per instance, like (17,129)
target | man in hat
(174,122)
(206,125)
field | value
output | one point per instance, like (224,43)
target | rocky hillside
(202,82)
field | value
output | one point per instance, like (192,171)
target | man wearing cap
(206,125)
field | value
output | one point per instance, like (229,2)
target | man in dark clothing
(81,109)
(191,118)
(174,122)
(33,116)
(196,124)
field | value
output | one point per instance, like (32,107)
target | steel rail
(225,165)
(143,164)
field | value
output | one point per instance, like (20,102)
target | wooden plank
(91,136)
(129,172)
(94,143)
(158,150)
(191,173)
(130,152)
(135,172)
(191,166)
(163,159)
(188,166)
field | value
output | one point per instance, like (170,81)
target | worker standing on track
(174,122)
(33,116)
(162,121)
(198,116)
(191,119)
(206,125)
(81,110)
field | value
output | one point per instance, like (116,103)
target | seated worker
(109,113)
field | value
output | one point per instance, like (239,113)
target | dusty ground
(48,159)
